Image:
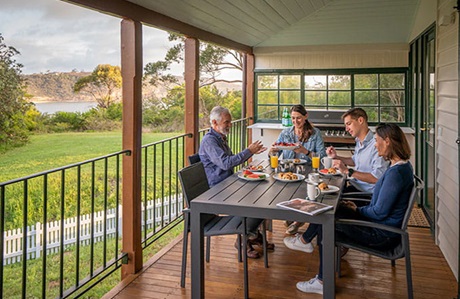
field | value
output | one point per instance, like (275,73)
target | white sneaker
(295,243)
(312,286)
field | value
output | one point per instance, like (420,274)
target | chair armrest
(371,224)
(366,200)
(358,194)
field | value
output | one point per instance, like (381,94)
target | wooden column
(131,71)
(192,78)
(248,82)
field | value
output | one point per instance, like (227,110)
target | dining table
(239,196)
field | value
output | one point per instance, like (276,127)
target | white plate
(332,189)
(301,161)
(241,176)
(254,168)
(300,177)
(329,174)
(287,147)
(316,183)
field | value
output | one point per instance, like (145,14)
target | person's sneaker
(312,286)
(295,243)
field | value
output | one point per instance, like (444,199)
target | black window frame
(329,72)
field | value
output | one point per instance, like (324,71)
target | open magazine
(304,206)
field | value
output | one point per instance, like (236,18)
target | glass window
(381,92)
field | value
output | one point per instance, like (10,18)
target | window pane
(340,98)
(315,98)
(392,98)
(392,114)
(339,82)
(267,112)
(372,114)
(267,97)
(267,82)
(366,98)
(290,82)
(392,81)
(315,82)
(368,81)
(290,97)
(311,107)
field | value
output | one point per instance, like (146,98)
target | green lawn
(48,151)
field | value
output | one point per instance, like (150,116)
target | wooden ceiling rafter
(126,9)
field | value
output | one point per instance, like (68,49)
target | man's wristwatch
(350,171)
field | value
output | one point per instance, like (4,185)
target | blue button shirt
(217,157)
(313,144)
(367,159)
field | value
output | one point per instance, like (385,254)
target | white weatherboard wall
(447,233)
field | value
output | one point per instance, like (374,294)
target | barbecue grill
(331,126)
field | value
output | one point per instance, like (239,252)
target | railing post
(131,70)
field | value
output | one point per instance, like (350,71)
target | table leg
(197,253)
(328,258)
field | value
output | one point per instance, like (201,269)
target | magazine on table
(305,206)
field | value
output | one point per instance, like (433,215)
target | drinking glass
(274,160)
(315,161)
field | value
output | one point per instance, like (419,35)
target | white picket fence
(13,239)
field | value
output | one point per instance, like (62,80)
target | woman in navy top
(388,204)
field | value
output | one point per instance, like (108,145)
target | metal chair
(195,158)
(193,181)
(401,250)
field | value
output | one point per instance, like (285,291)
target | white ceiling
(274,23)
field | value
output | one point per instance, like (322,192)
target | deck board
(363,276)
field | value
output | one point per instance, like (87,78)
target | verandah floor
(363,276)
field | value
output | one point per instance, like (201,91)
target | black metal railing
(61,229)
(161,197)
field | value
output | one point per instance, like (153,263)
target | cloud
(53,35)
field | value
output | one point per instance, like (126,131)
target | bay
(53,107)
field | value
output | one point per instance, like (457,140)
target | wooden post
(192,78)
(131,71)
(249,84)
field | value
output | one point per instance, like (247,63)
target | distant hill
(58,87)
(55,87)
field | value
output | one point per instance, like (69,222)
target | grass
(49,151)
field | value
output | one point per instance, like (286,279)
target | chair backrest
(195,158)
(193,181)
(418,186)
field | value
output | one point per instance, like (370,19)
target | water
(52,107)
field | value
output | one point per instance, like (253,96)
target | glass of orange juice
(274,160)
(315,161)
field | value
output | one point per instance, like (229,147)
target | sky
(56,36)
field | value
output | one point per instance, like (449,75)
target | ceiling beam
(126,9)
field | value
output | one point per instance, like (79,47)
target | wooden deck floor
(363,276)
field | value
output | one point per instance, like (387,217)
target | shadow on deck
(363,276)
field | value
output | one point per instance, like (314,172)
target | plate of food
(252,175)
(286,146)
(330,171)
(298,161)
(325,188)
(254,168)
(288,177)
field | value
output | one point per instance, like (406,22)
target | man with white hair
(219,161)
(215,153)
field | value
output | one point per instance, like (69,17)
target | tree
(13,106)
(213,60)
(102,84)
